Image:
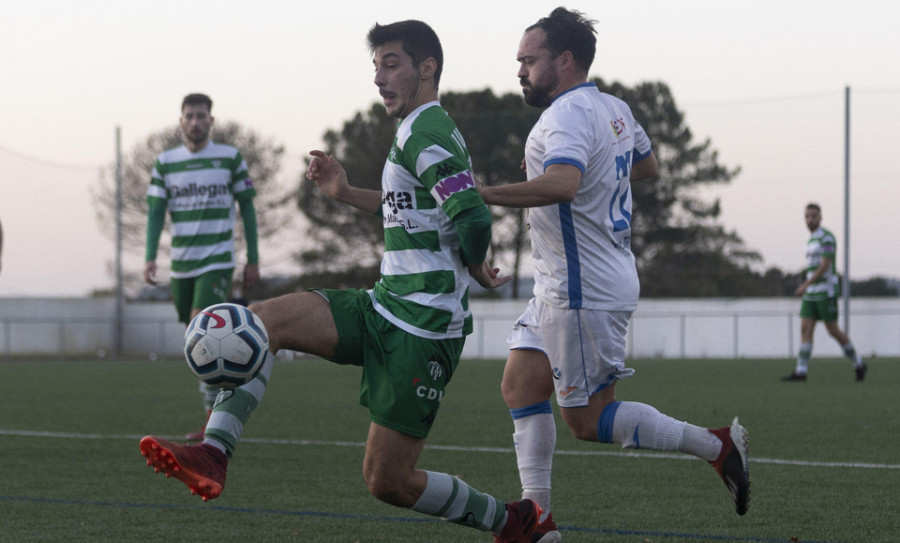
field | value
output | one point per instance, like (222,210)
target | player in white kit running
(580,159)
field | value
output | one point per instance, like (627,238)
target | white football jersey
(582,249)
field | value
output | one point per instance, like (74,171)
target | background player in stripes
(198,182)
(820,291)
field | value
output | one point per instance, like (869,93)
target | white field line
(495,450)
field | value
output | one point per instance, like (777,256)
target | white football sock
(535,441)
(640,426)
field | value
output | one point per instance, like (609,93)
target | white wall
(703,328)
(714,328)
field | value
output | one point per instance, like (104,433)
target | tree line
(680,247)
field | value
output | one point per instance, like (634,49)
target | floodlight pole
(845,286)
(120,302)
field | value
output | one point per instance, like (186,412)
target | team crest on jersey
(449,186)
(434,369)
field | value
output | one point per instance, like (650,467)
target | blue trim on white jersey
(564,160)
(535,409)
(638,156)
(573,263)
(605,423)
(580,85)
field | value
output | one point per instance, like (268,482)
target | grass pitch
(824,460)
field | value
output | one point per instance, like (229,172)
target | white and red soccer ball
(226,345)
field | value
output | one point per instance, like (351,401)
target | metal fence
(737,329)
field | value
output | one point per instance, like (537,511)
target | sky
(763,80)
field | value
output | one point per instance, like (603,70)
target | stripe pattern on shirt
(199,190)
(426,181)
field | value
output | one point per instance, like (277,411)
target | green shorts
(821,310)
(404,376)
(200,292)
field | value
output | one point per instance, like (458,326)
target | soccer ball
(225,345)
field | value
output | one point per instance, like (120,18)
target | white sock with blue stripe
(535,441)
(640,426)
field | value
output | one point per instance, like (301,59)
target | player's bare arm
(645,169)
(558,184)
(328,174)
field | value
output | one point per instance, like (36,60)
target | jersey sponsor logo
(449,186)
(618,126)
(220,322)
(193,190)
(393,220)
(397,200)
(426,392)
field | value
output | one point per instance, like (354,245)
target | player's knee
(263,311)
(385,487)
(584,432)
(580,424)
(508,390)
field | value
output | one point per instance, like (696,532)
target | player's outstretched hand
(328,174)
(487,276)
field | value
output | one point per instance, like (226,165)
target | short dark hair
(197,99)
(419,42)
(569,30)
(815,206)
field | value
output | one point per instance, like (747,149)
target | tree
(679,247)
(263,158)
(874,286)
(348,242)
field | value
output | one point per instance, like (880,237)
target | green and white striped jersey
(821,245)
(199,190)
(426,182)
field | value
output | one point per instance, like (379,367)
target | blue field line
(380,518)
(461,448)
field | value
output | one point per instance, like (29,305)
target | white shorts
(586,347)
